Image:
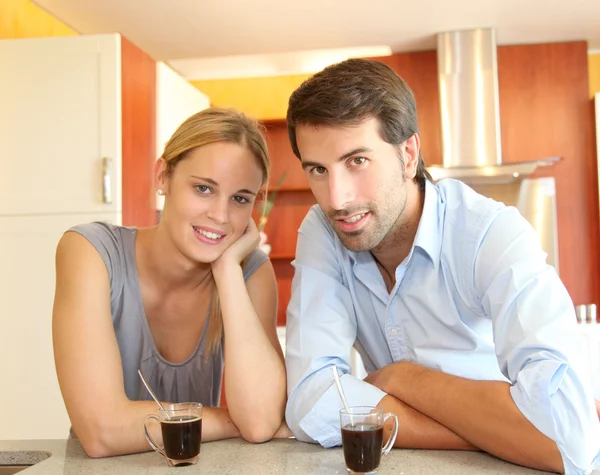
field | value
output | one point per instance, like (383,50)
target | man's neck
(397,244)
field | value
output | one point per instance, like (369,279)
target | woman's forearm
(254,370)
(123,433)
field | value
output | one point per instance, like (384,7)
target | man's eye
(358,160)
(318,170)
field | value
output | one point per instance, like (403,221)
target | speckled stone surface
(231,457)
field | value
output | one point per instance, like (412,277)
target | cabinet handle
(107,180)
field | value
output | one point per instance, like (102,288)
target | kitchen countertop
(236,456)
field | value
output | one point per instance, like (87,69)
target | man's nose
(341,190)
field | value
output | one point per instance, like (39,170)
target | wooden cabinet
(292,202)
(419,70)
(545,111)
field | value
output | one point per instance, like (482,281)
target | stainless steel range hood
(470,115)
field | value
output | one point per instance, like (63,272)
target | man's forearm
(417,431)
(482,412)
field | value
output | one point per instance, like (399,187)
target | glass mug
(181,428)
(362,438)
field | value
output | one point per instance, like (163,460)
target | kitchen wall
(594,71)
(267,97)
(263,98)
(23,19)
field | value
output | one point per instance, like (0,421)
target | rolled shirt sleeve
(536,341)
(321,330)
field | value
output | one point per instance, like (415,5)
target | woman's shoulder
(112,242)
(102,230)
(104,236)
(253,262)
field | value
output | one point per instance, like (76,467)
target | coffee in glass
(181,429)
(362,438)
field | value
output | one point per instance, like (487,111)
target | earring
(160,192)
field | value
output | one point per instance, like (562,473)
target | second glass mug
(181,428)
(362,438)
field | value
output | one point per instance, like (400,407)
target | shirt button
(394,331)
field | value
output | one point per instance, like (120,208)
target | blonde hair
(211,125)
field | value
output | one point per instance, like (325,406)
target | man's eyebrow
(347,155)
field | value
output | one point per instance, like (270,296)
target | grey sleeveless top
(197,379)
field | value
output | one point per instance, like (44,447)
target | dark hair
(349,92)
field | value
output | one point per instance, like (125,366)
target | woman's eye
(202,189)
(241,200)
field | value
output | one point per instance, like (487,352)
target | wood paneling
(284,221)
(292,202)
(283,159)
(545,111)
(138,89)
(419,70)
(284,273)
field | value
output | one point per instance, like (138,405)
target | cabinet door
(31,402)
(60,117)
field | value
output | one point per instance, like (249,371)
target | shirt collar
(429,235)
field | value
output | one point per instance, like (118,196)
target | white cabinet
(78,131)
(61,160)
(68,107)
(60,116)
(31,405)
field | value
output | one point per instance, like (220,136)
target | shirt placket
(394,331)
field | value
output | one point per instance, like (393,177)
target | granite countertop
(236,456)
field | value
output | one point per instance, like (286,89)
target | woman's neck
(159,260)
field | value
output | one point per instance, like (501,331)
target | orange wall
(594,71)
(262,98)
(266,97)
(23,19)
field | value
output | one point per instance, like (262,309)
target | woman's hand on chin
(235,254)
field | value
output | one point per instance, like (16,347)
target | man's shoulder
(466,212)
(319,237)
(315,221)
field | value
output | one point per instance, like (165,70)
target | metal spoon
(336,378)
(152,394)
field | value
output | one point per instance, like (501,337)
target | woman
(175,300)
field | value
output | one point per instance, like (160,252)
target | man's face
(358,179)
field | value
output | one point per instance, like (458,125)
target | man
(466,333)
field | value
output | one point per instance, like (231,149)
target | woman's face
(209,199)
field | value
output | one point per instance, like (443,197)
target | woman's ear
(160,176)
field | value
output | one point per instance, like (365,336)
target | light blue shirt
(474,298)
